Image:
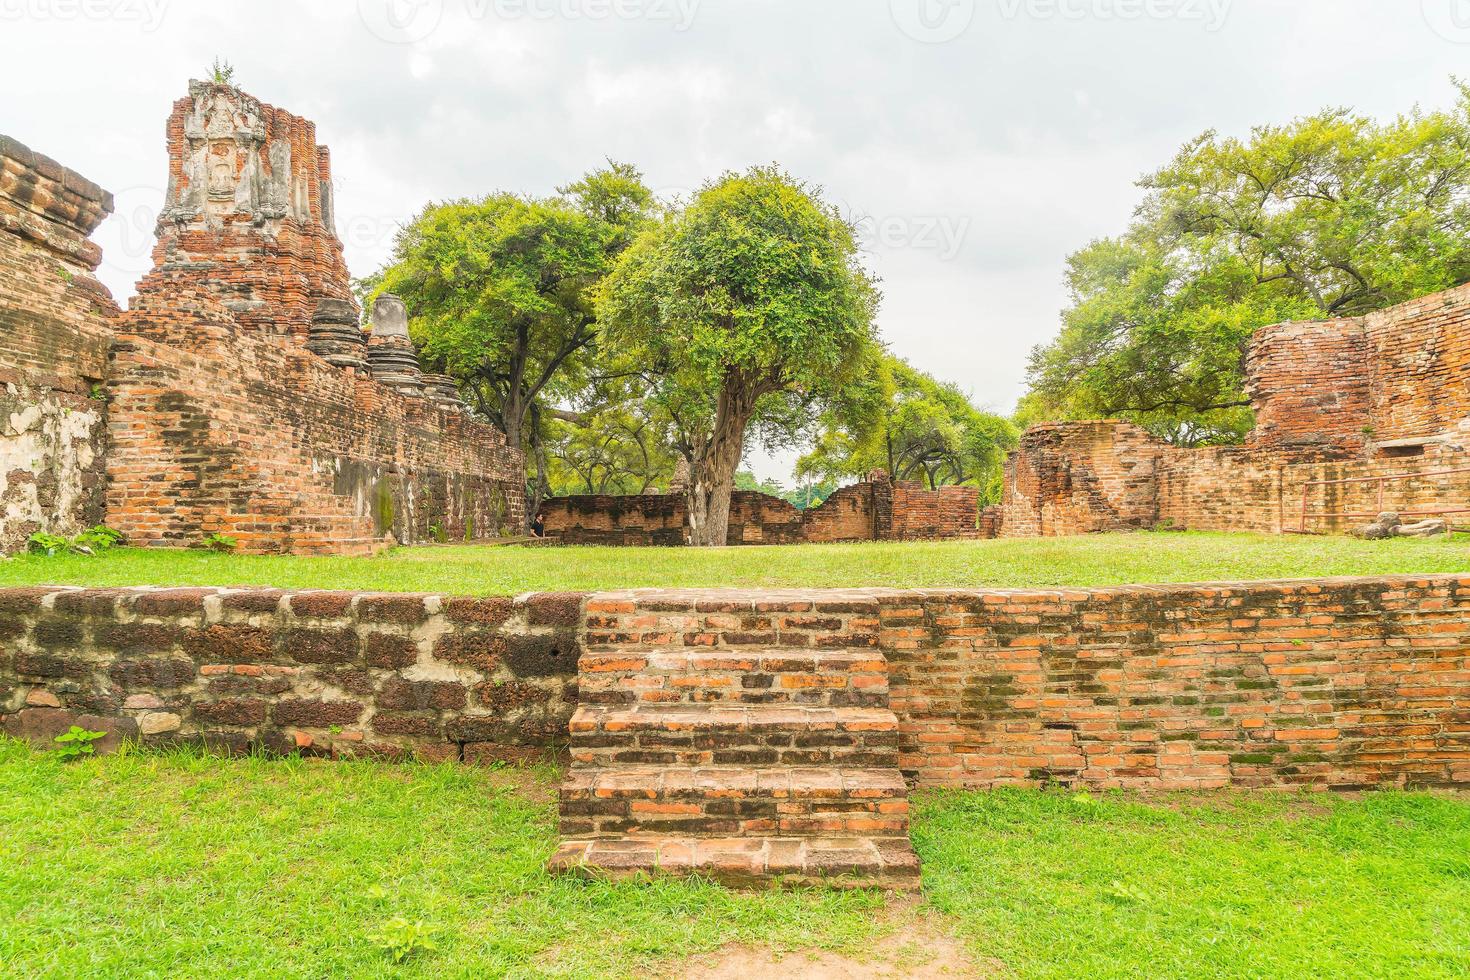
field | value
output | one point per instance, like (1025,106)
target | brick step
(730,735)
(761,862)
(733,802)
(828,678)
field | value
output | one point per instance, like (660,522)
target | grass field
(182,865)
(1111,559)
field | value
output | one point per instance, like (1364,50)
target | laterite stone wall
(333,673)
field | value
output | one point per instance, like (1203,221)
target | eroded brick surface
(337,673)
(876,510)
(1346,400)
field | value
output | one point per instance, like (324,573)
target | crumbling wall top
(49,204)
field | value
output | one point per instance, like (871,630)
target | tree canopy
(1330,215)
(911,425)
(500,289)
(748,306)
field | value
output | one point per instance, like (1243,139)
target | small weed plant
(90,542)
(77,743)
(401,938)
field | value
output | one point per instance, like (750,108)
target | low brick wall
(1344,683)
(873,511)
(322,672)
(1334,683)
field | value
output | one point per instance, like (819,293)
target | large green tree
(915,427)
(1330,215)
(500,289)
(747,307)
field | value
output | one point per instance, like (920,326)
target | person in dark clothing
(538,526)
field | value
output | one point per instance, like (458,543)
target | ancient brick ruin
(1353,417)
(874,510)
(238,393)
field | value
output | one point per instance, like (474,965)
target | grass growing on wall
(1111,559)
(182,865)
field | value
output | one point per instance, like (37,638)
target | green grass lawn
(182,865)
(1110,559)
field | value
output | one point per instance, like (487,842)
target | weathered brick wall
(1308,384)
(285,452)
(322,672)
(649,519)
(921,514)
(1335,683)
(54,330)
(1420,369)
(858,512)
(1338,683)
(1081,478)
(1384,394)
(871,511)
(758,518)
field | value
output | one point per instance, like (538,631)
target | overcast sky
(980,141)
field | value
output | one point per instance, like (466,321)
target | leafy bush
(77,743)
(219,542)
(89,542)
(42,543)
(98,538)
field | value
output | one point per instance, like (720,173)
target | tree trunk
(712,468)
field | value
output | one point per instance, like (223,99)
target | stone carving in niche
(228,168)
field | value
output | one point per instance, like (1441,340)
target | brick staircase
(751,764)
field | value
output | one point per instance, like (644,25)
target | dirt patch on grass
(917,945)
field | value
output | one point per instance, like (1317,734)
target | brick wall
(285,452)
(1333,683)
(54,329)
(1081,478)
(871,511)
(324,672)
(758,518)
(1384,394)
(649,519)
(1308,384)
(1341,683)
(921,514)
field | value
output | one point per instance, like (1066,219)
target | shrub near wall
(440,676)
